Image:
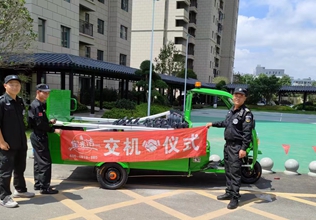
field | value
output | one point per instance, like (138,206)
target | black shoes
(233,200)
(233,203)
(49,191)
(225,196)
(37,188)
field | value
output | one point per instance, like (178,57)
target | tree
(190,74)
(314,83)
(285,81)
(264,87)
(16,29)
(169,61)
(157,82)
(218,79)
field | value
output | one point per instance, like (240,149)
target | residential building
(97,29)
(302,82)
(211,44)
(269,72)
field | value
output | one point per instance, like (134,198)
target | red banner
(128,146)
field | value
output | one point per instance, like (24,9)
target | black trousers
(12,160)
(232,168)
(42,162)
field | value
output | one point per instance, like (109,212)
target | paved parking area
(275,196)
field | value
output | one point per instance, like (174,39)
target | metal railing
(85,28)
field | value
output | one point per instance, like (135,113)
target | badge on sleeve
(248,118)
(40,114)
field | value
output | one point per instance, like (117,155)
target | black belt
(234,142)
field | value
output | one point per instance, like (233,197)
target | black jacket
(238,126)
(11,121)
(38,119)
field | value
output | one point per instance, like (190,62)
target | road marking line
(263,213)
(78,209)
(299,200)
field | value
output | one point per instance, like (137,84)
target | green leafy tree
(16,29)
(221,85)
(285,81)
(157,82)
(264,87)
(169,61)
(218,79)
(314,83)
(190,74)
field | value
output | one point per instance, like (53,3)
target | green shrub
(140,111)
(125,104)
(81,108)
(108,105)
(162,100)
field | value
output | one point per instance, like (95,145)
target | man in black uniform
(13,145)
(238,135)
(39,139)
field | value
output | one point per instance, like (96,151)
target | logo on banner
(83,144)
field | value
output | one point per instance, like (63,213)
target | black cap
(43,87)
(241,91)
(11,77)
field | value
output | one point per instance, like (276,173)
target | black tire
(111,176)
(251,176)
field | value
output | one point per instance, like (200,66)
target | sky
(277,34)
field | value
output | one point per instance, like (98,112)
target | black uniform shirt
(11,121)
(238,126)
(38,119)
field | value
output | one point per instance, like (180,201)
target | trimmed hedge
(140,111)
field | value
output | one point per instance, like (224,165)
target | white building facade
(269,72)
(211,25)
(97,29)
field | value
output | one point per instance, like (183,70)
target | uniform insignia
(40,114)
(248,118)
(235,121)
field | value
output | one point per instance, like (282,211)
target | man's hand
(53,121)
(208,125)
(4,146)
(58,131)
(242,153)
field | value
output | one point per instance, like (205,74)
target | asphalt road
(274,196)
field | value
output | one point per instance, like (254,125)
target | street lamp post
(151,57)
(185,71)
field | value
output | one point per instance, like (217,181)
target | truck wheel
(111,176)
(251,176)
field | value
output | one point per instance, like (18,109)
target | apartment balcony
(193,8)
(87,5)
(182,14)
(187,2)
(181,48)
(192,40)
(86,32)
(192,25)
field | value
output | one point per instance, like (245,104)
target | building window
(100,26)
(123,32)
(124,5)
(100,55)
(88,52)
(65,36)
(41,30)
(102,1)
(123,59)
(67,0)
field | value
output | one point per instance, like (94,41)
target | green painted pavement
(300,137)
